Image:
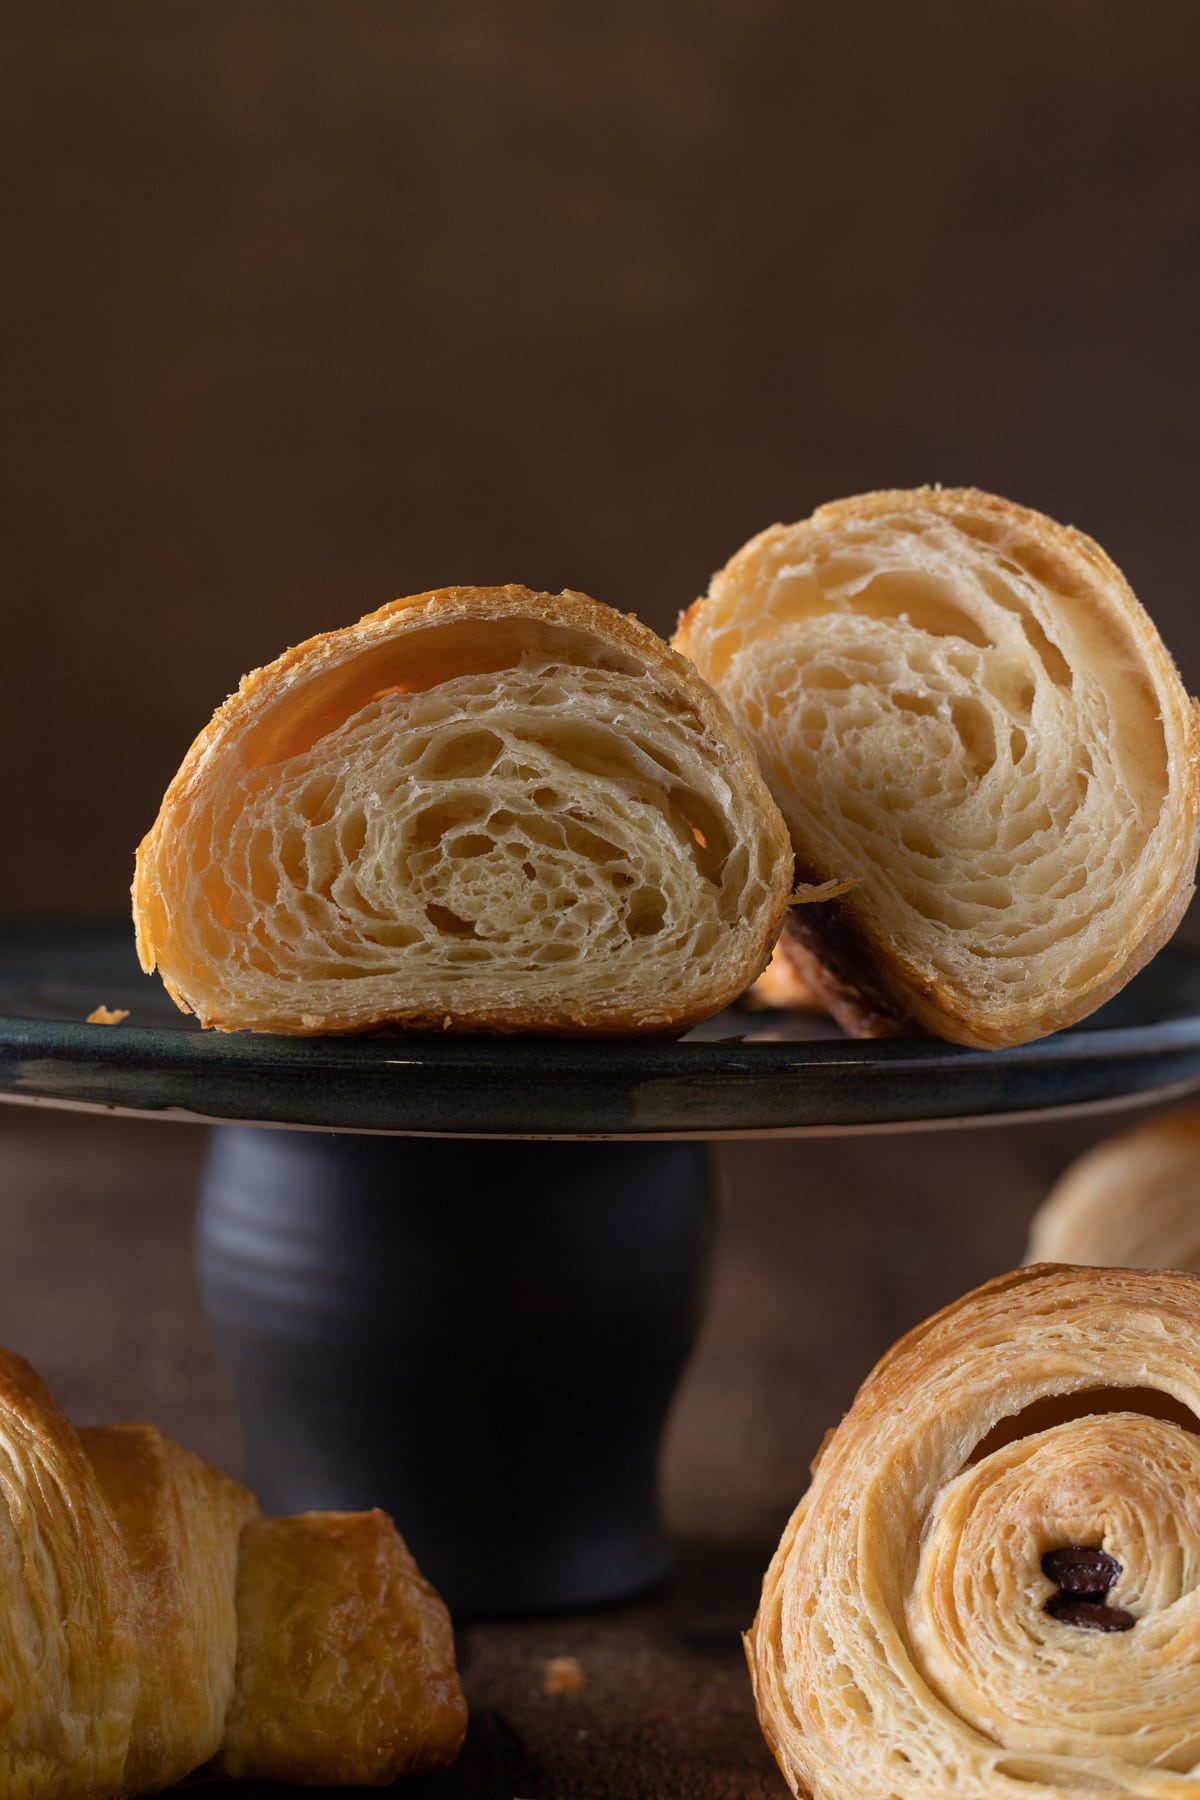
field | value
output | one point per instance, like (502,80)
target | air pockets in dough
(962,710)
(477,809)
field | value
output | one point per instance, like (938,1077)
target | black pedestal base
(483,1338)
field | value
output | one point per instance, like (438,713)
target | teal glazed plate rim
(741,1075)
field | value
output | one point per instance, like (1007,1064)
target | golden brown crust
(68,1626)
(639,762)
(962,703)
(127,1659)
(346,1671)
(180,1522)
(903,1645)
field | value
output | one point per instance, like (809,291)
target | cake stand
(464,1283)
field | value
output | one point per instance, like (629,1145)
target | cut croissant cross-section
(479,808)
(960,706)
(915,1637)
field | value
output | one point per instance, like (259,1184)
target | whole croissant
(151,1623)
(991,1591)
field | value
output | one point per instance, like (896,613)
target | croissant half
(151,1623)
(480,808)
(962,709)
(992,1586)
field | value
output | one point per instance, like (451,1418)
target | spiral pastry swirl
(992,1587)
(962,711)
(481,809)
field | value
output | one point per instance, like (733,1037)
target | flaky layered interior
(912,1641)
(469,814)
(961,707)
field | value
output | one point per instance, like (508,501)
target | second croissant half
(968,719)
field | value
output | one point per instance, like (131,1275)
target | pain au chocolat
(991,1590)
(480,809)
(964,714)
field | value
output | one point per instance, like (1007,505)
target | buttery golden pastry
(477,809)
(992,1586)
(180,1523)
(345,1662)
(962,709)
(151,1621)
(69,1642)
(1132,1202)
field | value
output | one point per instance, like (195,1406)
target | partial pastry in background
(1132,1202)
(151,1623)
(480,809)
(990,1590)
(803,981)
(782,986)
(961,707)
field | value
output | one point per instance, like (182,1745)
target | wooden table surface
(829,1248)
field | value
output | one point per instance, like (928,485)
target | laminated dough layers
(477,809)
(916,1639)
(963,711)
(151,1622)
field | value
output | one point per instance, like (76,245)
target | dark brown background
(308,305)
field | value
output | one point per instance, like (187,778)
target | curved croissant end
(960,706)
(69,1653)
(362,1689)
(1132,1202)
(992,1587)
(483,809)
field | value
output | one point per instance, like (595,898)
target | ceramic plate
(743,1074)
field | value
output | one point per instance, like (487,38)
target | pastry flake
(107,1015)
